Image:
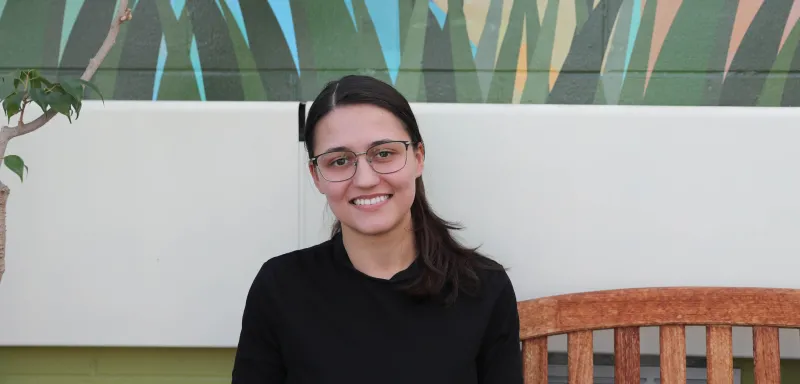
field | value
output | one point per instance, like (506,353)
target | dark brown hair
(447,266)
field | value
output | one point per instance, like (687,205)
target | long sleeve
(500,357)
(258,357)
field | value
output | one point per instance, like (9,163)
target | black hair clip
(301,122)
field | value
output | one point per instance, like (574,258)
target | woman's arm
(500,357)
(258,358)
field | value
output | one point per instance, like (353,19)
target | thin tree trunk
(4,191)
(7,133)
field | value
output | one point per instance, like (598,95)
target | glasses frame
(407,143)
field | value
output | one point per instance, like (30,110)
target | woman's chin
(374,226)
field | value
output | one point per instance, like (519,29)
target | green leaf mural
(368,48)
(677,76)
(582,10)
(437,64)
(613,74)
(335,54)
(18,24)
(719,53)
(251,84)
(774,85)
(537,85)
(466,77)
(756,54)
(409,78)
(791,91)
(308,76)
(270,49)
(633,84)
(487,46)
(139,53)
(405,10)
(85,38)
(53,16)
(221,75)
(178,81)
(286,51)
(505,71)
(577,83)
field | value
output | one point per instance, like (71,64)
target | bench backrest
(671,309)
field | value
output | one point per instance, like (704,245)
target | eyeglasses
(384,158)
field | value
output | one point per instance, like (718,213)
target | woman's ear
(314,175)
(419,153)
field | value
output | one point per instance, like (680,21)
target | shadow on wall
(654,52)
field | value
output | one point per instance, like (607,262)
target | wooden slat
(659,306)
(626,356)
(719,351)
(534,363)
(766,355)
(580,362)
(673,354)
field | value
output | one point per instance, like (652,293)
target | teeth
(374,200)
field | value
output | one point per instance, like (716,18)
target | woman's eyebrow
(345,148)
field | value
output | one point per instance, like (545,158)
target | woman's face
(378,196)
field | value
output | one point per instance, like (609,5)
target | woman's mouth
(370,202)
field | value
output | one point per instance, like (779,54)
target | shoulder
(494,281)
(490,271)
(291,265)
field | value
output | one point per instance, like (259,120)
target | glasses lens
(337,166)
(388,157)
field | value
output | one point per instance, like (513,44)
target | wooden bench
(670,309)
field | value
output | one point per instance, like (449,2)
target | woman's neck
(381,256)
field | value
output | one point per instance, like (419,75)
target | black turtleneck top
(312,318)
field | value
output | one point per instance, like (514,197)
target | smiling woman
(392,297)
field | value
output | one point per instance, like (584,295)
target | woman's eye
(339,162)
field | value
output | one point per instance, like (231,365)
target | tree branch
(8,133)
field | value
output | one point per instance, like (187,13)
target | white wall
(177,204)
(145,223)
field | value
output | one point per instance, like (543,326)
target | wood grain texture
(626,355)
(639,307)
(766,355)
(673,354)
(719,351)
(580,361)
(671,308)
(534,363)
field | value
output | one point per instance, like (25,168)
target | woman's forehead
(357,128)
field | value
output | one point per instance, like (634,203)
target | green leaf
(45,82)
(39,97)
(93,87)
(60,101)
(34,80)
(12,104)
(76,105)
(33,74)
(16,165)
(73,88)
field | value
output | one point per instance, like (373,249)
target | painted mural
(655,52)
